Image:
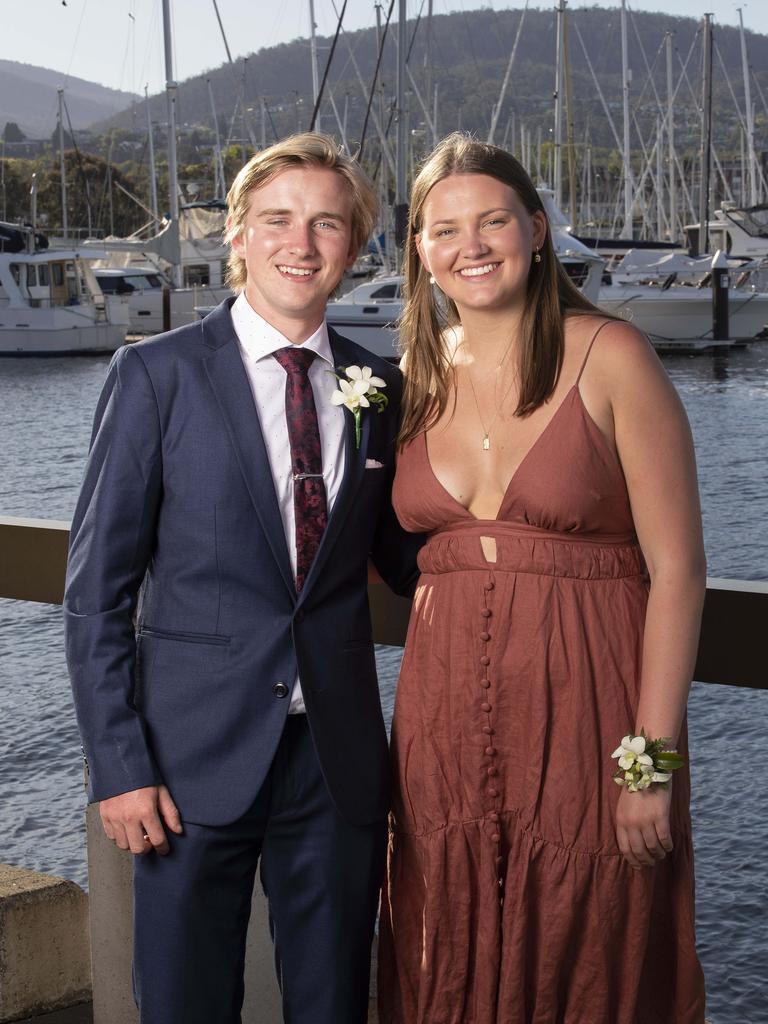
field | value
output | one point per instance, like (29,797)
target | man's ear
(236,240)
(351,256)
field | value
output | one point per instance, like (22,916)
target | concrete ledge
(44,944)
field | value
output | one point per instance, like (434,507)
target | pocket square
(373,464)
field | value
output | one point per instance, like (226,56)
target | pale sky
(119,42)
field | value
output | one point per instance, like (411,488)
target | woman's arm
(654,444)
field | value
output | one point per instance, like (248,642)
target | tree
(15,179)
(93,199)
(12,133)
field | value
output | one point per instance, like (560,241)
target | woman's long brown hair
(429,373)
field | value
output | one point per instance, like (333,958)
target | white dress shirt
(258,340)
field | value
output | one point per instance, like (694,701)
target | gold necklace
(486,446)
(486,432)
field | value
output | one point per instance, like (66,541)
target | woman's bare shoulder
(619,355)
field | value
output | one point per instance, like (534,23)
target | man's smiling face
(296,244)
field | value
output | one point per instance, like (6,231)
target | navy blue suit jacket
(181,613)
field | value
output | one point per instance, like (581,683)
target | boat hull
(684,315)
(145,308)
(93,339)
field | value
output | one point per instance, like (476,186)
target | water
(45,414)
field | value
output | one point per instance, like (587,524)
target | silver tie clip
(307,476)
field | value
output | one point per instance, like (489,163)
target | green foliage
(12,133)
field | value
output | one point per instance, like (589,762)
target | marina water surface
(46,407)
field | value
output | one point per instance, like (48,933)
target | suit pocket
(190,638)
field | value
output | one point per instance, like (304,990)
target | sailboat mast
(401,201)
(558,148)
(706,129)
(221,184)
(627,231)
(64,222)
(505,82)
(151,146)
(313,52)
(173,170)
(751,157)
(671,179)
(569,115)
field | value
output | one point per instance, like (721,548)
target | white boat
(669,297)
(139,266)
(51,304)
(142,288)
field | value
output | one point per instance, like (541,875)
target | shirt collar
(258,338)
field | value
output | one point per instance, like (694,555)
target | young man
(237,720)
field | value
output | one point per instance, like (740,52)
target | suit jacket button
(280,690)
(299,616)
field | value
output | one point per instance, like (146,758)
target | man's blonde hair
(309,149)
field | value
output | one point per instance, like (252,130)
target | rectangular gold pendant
(486,443)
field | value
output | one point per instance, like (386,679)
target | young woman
(546,454)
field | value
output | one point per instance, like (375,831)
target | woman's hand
(642,825)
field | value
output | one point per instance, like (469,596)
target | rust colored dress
(507,900)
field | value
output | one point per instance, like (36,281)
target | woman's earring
(537,256)
(432,280)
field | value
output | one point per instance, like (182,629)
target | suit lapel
(354,467)
(229,381)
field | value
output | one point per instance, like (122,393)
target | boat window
(107,284)
(57,274)
(154,281)
(15,273)
(197,274)
(42,273)
(31,275)
(387,291)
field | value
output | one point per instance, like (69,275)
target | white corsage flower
(359,389)
(631,751)
(643,762)
(364,375)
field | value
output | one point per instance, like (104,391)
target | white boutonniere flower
(643,761)
(359,389)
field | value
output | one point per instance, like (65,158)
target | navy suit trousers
(321,875)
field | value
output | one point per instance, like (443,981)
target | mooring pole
(720,285)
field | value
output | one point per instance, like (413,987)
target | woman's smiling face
(478,240)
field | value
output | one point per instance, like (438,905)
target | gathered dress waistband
(530,549)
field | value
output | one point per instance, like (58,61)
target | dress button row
(485,660)
(490,751)
(493,792)
(486,613)
(491,771)
(486,707)
(487,730)
(485,683)
(485,637)
(495,838)
(489,585)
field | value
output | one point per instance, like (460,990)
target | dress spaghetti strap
(589,349)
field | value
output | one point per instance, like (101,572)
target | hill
(466,58)
(28,96)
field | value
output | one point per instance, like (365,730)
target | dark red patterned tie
(309,500)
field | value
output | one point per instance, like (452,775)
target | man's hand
(134,821)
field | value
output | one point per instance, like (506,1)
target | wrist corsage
(644,762)
(358,389)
